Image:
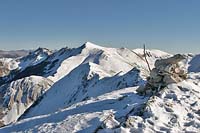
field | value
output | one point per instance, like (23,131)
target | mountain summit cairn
(166,71)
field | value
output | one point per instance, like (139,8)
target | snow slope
(174,110)
(91,77)
(89,82)
(34,58)
(17,96)
(194,64)
(84,116)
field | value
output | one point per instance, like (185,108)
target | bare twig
(145,57)
(137,55)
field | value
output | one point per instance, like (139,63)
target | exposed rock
(166,71)
(17,96)
(172,60)
(7,65)
(110,122)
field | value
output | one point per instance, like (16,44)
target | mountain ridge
(90,83)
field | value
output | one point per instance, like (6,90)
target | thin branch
(137,55)
(145,57)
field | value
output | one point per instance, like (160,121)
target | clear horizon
(171,26)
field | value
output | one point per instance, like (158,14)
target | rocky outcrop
(17,96)
(7,65)
(166,71)
(3,69)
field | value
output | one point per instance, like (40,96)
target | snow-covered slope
(95,70)
(85,116)
(94,91)
(174,110)
(17,96)
(34,58)
(194,64)
(86,81)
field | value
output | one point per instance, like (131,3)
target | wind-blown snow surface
(94,91)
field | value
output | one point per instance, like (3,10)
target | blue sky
(170,25)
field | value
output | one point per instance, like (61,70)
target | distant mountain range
(13,54)
(93,89)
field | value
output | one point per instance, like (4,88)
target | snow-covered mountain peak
(90,45)
(42,50)
(34,58)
